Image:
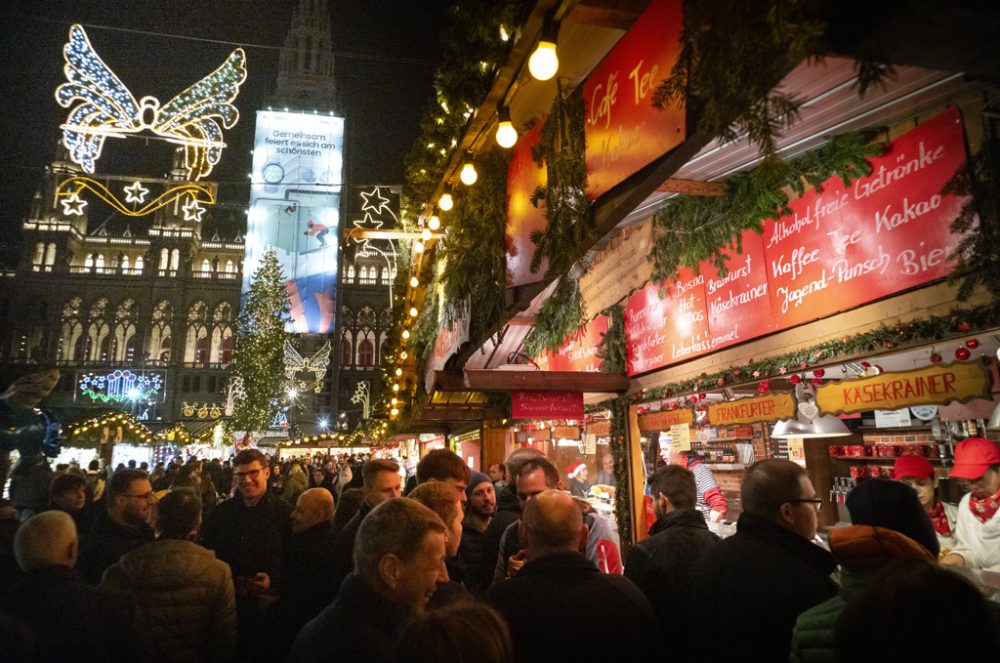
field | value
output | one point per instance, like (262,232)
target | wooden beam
(449,381)
(693,187)
(456,414)
(533,380)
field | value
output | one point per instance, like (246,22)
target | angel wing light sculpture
(103,107)
(295,363)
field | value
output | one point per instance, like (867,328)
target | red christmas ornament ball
(795,379)
(935,358)
(962,354)
(819,372)
(972,343)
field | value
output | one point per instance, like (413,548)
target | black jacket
(661,567)
(477,576)
(750,588)
(73,621)
(106,542)
(250,539)
(553,603)
(343,546)
(361,625)
(508,512)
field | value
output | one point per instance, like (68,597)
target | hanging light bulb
(434,223)
(403,355)
(544,63)
(418,246)
(413,311)
(446,202)
(395,401)
(506,133)
(414,281)
(425,235)
(394,411)
(468,174)
(406,334)
(399,372)
(395,387)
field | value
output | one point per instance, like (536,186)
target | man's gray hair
(395,526)
(42,540)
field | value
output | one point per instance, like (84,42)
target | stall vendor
(712,502)
(978,527)
(917,473)
(578,484)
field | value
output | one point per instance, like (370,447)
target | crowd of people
(325,559)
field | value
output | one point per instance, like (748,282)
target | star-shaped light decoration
(193,211)
(136,193)
(73,204)
(368,206)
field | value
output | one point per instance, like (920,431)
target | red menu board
(885,233)
(523,218)
(624,132)
(839,248)
(579,351)
(738,303)
(660,331)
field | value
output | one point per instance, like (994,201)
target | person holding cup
(917,473)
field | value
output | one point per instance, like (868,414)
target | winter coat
(661,568)
(295,485)
(554,602)
(73,621)
(361,625)
(478,573)
(250,539)
(508,511)
(977,542)
(185,596)
(862,551)
(343,546)
(107,542)
(754,585)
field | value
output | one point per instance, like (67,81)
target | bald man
(306,586)
(69,618)
(558,580)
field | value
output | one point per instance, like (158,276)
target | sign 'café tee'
(840,247)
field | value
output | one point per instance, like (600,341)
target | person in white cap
(578,484)
(978,529)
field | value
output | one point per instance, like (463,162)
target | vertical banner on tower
(295,208)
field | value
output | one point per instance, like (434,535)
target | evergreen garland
(259,356)
(561,148)
(958,322)
(978,254)
(699,227)
(612,348)
(559,316)
(619,453)
(473,249)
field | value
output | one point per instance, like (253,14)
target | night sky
(385,55)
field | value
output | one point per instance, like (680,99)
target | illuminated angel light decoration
(69,191)
(120,386)
(236,392)
(102,107)
(295,363)
(136,193)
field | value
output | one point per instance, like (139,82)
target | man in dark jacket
(508,511)
(71,620)
(661,566)
(121,527)
(249,532)
(550,602)
(479,511)
(399,564)
(306,585)
(381,483)
(751,587)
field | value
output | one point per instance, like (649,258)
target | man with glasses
(122,527)
(250,533)
(756,583)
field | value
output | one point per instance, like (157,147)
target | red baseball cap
(912,466)
(973,457)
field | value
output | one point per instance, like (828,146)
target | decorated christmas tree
(259,352)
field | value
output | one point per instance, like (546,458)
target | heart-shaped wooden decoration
(808,410)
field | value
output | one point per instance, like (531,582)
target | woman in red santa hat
(578,484)
(917,473)
(978,527)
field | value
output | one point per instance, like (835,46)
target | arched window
(198,346)
(71,331)
(222,333)
(350,273)
(139,265)
(88,262)
(175,260)
(346,349)
(363,275)
(99,263)
(159,332)
(206,267)
(385,276)
(50,256)
(366,353)
(385,319)
(124,332)
(382,338)
(98,332)
(125,263)
(346,318)
(36,262)
(366,318)
(164,259)
(226,350)
(230,268)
